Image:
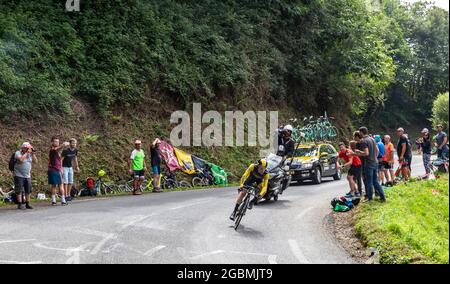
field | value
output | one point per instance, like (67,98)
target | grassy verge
(412,226)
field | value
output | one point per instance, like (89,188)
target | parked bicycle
(167,182)
(170,182)
(202,178)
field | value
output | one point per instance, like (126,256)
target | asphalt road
(178,227)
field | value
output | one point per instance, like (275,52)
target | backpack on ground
(89,188)
(341,208)
(338,200)
(12,162)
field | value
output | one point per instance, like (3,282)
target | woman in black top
(425,146)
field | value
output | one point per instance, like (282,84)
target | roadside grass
(412,226)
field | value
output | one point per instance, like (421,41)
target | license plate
(305,175)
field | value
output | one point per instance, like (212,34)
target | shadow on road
(281,203)
(249,232)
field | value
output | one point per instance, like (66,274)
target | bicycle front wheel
(168,184)
(241,211)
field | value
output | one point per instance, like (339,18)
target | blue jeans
(372,181)
(443,153)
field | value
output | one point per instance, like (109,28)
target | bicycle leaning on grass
(167,182)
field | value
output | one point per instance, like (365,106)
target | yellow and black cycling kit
(251,177)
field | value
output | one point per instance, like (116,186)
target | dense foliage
(418,36)
(440,111)
(317,54)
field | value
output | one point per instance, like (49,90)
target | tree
(440,110)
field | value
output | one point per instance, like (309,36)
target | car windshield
(273,161)
(306,152)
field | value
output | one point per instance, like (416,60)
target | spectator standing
(381,155)
(388,160)
(137,166)
(441,140)
(357,172)
(359,146)
(55,170)
(354,165)
(370,154)
(425,147)
(22,174)
(155,157)
(69,157)
(404,153)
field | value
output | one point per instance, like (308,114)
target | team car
(314,162)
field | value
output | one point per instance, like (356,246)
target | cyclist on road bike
(255,175)
(286,144)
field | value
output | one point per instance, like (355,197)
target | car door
(324,160)
(333,154)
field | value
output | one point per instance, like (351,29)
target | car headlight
(307,165)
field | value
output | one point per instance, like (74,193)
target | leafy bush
(319,55)
(440,110)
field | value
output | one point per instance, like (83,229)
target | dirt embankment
(105,143)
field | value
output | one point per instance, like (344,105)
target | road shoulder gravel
(341,226)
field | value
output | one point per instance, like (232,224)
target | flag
(185,161)
(167,152)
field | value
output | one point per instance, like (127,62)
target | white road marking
(17,241)
(272,259)
(100,244)
(74,254)
(207,254)
(131,220)
(106,237)
(191,204)
(87,231)
(41,245)
(113,247)
(303,213)
(20,262)
(153,250)
(297,252)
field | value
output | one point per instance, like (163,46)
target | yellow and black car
(314,162)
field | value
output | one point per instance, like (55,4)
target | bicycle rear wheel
(197,181)
(109,188)
(184,184)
